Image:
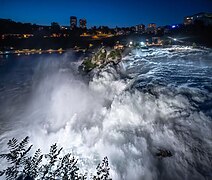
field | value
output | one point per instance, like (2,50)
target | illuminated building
(73,22)
(152,28)
(19,36)
(152,25)
(140,28)
(188,20)
(82,23)
(206,18)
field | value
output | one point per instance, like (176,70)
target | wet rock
(162,153)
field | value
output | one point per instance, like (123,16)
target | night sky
(98,12)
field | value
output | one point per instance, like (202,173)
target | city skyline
(111,13)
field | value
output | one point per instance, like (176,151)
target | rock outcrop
(162,153)
(101,58)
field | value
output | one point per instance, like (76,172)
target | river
(159,98)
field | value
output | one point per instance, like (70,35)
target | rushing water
(155,99)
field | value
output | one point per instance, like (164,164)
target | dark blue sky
(99,12)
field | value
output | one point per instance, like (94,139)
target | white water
(164,105)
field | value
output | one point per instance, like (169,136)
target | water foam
(121,119)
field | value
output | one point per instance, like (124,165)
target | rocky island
(100,59)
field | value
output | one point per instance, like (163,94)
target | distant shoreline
(38,51)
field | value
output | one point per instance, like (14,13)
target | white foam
(108,118)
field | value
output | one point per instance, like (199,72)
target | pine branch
(31,168)
(52,157)
(68,167)
(2,173)
(23,143)
(16,157)
(12,144)
(103,170)
(24,167)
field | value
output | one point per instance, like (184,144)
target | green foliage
(114,54)
(88,65)
(101,54)
(24,167)
(100,59)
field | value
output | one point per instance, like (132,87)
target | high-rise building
(83,23)
(152,25)
(151,29)
(73,22)
(140,28)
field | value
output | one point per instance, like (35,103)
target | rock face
(162,153)
(101,58)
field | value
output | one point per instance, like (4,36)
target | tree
(103,170)
(24,167)
(55,27)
